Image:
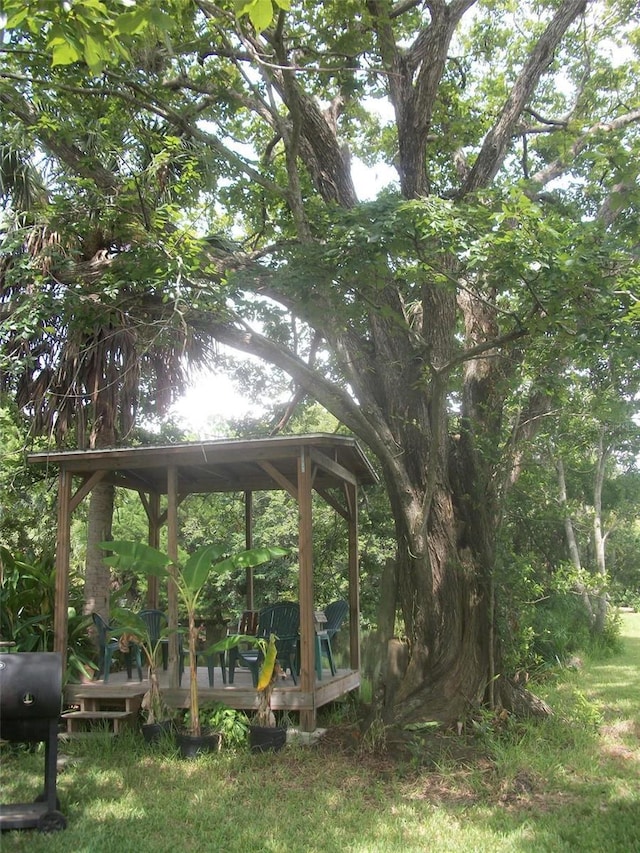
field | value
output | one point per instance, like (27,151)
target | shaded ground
(388,753)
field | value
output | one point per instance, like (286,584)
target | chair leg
(107,664)
(138,661)
(318,658)
(223,661)
(180,665)
(325,643)
(294,666)
(211,668)
(254,666)
(233,658)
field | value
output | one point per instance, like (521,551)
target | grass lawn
(571,783)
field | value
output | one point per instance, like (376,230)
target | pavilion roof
(225,465)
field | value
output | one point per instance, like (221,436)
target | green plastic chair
(336,613)
(156,622)
(107,647)
(283,620)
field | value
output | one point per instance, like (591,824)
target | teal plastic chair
(108,647)
(336,613)
(210,660)
(156,622)
(283,620)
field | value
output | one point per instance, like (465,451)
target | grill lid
(30,686)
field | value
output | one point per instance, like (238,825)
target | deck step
(116,718)
(95,701)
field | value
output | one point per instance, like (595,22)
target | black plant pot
(265,738)
(191,745)
(155,732)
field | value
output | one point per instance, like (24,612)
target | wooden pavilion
(331,465)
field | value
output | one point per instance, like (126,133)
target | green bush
(27,599)
(231,724)
(561,627)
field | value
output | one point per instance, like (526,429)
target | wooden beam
(333,467)
(163,517)
(63,554)
(279,478)
(85,488)
(333,502)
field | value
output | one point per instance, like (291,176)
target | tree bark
(598,536)
(97,579)
(572,542)
(97,575)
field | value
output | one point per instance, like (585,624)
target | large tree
(429,320)
(84,354)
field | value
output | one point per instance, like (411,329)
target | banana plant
(133,624)
(266,680)
(189,580)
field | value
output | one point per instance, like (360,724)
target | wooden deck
(240,695)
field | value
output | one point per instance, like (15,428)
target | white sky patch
(211,398)
(369,180)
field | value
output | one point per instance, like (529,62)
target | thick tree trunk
(446,611)
(97,578)
(97,575)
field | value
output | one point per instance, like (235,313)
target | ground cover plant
(568,783)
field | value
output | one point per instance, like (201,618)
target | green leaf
(136,556)
(127,622)
(131,23)
(260,12)
(257,556)
(64,54)
(17,19)
(199,565)
(161,20)
(261,16)
(94,53)
(229,642)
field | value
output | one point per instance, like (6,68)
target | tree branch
(496,142)
(561,164)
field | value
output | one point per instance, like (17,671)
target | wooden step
(92,701)
(117,718)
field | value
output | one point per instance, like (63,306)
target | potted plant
(189,580)
(156,713)
(264,733)
(232,726)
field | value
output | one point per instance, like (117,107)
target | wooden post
(63,553)
(305,559)
(248,538)
(172,551)
(354,577)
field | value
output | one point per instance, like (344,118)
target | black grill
(30,702)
